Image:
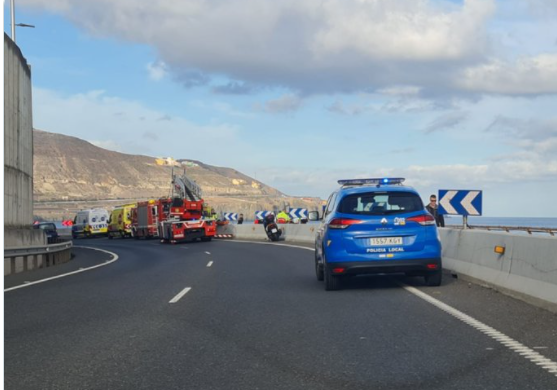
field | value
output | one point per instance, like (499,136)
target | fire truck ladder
(188,189)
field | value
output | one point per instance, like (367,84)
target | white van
(89,223)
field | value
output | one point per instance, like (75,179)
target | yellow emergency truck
(120,223)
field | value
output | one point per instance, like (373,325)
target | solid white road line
(508,342)
(210,263)
(114,258)
(180,295)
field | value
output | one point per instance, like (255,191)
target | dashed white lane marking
(180,295)
(210,263)
(508,342)
(208,252)
(114,258)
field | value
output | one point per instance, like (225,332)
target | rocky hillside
(70,173)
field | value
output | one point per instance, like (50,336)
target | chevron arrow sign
(460,202)
(298,213)
(231,216)
(261,214)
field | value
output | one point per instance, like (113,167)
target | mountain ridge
(71,170)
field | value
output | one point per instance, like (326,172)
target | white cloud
(136,129)
(407,30)
(284,103)
(400,90)
(157,70)
(528,75)
(310,46)
(446,121)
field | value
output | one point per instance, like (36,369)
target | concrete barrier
(290,232)
(527,270)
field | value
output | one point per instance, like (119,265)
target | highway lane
(257,318)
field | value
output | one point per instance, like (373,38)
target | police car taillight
(424,220)
(343,223)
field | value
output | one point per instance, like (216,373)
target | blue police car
(376,226)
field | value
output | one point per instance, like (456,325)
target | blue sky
(449,94)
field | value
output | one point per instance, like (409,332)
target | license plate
(385,241)
(274,230)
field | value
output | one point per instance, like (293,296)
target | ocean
(551,223)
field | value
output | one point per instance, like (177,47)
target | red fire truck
(186,220)
(147,216)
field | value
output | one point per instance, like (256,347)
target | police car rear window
(373,203)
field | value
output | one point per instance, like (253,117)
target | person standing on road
(241,219)
(433,209)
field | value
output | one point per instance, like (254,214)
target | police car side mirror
(314,216)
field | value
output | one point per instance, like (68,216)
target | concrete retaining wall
(15,237)
(527,269)
(18,138)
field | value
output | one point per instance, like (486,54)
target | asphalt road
(255,317)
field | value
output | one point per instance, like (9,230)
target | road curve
(229,315)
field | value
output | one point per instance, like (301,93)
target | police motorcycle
(271,228)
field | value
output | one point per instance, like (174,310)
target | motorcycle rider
(273,232)
(269,218)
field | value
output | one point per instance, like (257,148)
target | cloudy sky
(458,94)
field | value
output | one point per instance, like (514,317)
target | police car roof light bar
(371,181)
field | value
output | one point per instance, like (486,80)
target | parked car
(50,230)
(376,226)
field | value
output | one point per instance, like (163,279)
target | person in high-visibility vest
(283,217)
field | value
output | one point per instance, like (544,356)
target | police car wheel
(434,279)
(332,283)
(318,269)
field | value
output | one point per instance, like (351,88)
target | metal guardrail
(36,250)
(28,258)
(510,229)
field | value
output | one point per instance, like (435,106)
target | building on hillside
(167,161)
